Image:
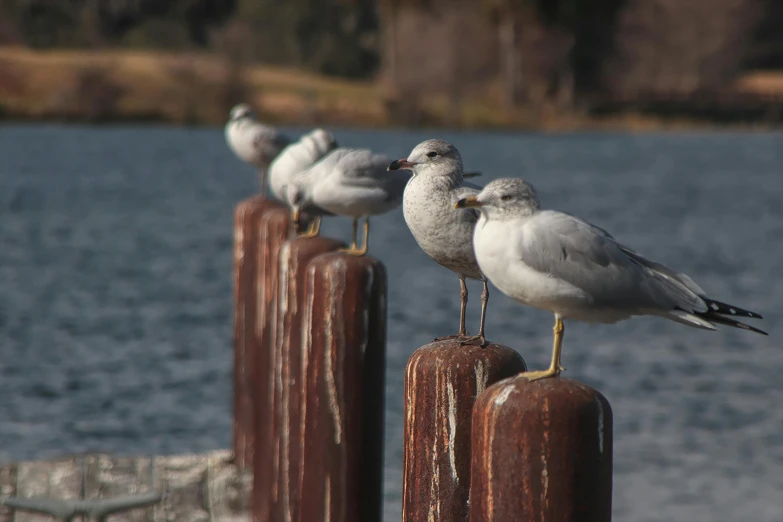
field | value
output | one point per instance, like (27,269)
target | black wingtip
(717,307)
(719,319)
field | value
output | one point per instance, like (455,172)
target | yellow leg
(313,229)
(295,218)
(354,250)
(351,249)
(554,368)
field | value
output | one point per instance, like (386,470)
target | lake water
(116,299)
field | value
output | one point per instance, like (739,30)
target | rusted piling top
(276,487)
(442,381)
(542,451)
(343,366)
(247,219)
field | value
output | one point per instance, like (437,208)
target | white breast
(440,230)
(497,256)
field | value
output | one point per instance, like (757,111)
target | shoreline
(126,87)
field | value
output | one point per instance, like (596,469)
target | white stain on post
(452,396)
(502,396)
(334,313)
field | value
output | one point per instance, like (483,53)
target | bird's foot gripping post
(442,381)
(554,367)
(541,451)
(313,229)
(313,224)
(354,250)
(249,219)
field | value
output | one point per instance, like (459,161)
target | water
(116,315)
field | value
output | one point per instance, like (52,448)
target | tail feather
(716,313)
(689,319)
(714,318)
(716,307)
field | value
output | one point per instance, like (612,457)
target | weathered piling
(274,226)
(247,219)
(275,493)
(542,450)
(343,374)
(442,381)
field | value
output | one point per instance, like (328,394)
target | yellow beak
(468,202)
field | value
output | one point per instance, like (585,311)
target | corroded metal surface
(276,500)
(247,218)
(343,373)
(193,487)
(273,229)
(442,381)
(542,451)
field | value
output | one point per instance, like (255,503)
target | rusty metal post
(273,229)
(442,381)
(275,494)
(343,374)
(247,219)
(542,450)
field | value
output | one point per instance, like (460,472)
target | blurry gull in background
(299,191)
(557,262)
(444,234)
(252,141)
(297,157)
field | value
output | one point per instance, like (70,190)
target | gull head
(296,195)
(504,199)
(240,111)
(431,158)
(322,140)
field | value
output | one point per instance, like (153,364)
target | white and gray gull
(252,141)
(444,234)
(557,262)
(349,182)
(299,190)
(296,158)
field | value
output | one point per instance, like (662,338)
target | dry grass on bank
(178,88)
(198,88)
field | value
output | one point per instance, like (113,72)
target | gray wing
(589,258)
(362,168)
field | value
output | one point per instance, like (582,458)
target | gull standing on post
(444,234)
(557,262)
(356,185)
(296,158)
(252,141)
(299,190)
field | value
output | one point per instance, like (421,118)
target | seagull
(299,156)
(444,235)
(350,182)
(557,262)
(299,190)
(252,141)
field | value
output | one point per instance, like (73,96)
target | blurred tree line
(532,52)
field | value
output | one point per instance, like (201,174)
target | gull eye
(432,154)
(506,197)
